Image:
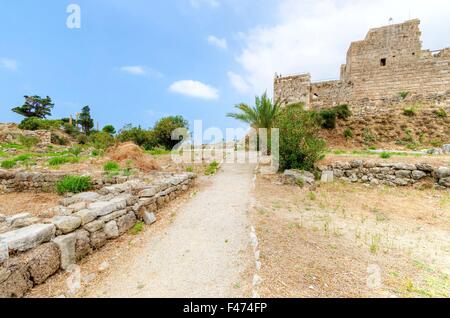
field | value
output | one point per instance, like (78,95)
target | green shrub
(189,169)
(71,130)
(56,161)
(28,141)
(328,118)
(74,184)
(101,140)
(23,157)
(59,140)
(410,111)
(111,166)
(165,127)
(342,111)
(385,155)
(348,133)
(8,164)
(34,123)
(441,112)
(212,168)
(76,150)
(97,152)
(141,137)
(299,147)
(12,146)
(403,95)
(368,136)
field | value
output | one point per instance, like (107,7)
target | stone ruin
(390,60)
(33,249)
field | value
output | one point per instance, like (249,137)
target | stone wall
(11,133)
(388,61)
(26,181)
(391,174)
(83,223)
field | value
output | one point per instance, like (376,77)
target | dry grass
(321,244)
(130,151)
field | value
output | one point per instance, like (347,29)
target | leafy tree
(163,130)
(300,148)
(141,137)
(85,120)
(35,106)
(262,115)
(109,129)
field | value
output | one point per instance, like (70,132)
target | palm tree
(262,115)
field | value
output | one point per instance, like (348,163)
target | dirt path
(203,253)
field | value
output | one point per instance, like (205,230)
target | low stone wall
(83,223)
(11,133)
(26,181)
(392,174)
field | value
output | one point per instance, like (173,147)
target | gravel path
(203,253)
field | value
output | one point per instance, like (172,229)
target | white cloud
(217,42)
(200,3)
(9,64)
(314,36)
(140,70)
(238,82)
(194,89)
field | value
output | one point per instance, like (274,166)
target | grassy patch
(74,184)
(12,146)
(57,161)
(8,164)
(137,228)
(385,155)
(158,152)
(111,166)
(212,168)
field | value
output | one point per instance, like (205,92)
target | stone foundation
(83,223)
(391,174)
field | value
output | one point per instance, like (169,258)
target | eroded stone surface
(28,237)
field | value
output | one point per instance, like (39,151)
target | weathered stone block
(126,222)
(98,239)
(111,230)
(405,174)
(67,224)
(418,174)
(4,251)
(327,176)
(405,166)
(82,244)
(86,216)
(28,237)
(66,245)
(94,226)
(442,172)
(149,218)
(85,196)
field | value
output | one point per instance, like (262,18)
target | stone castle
(388,62)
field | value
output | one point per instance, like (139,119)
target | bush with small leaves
(348,133)
(441,112)
(385,155)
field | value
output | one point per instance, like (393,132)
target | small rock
(103,266)
(425,167)
(443,172)
(292,177)
(435,151)
(94,226)
(405,166)
(446,149)
(98,239)
(4,251)
(327,176)
(149,218)
(86,216)
(403,174)
(445,182)
(78,206)
(17,217)
(418,175)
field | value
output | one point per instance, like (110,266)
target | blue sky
(135,61)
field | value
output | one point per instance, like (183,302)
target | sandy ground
(352,241)
(34,203)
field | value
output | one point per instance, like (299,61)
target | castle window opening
(383,62)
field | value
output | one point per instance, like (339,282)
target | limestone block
(86,216)
(66,245)
(4,251)
(85,196)
(94,226)
(405,166)
(82,244)
(126,222)
(112,216)
(98,239)
(405,174)
(28,237)
(111,230)
(418,174)
(327,176)
(67,224)
(149,218)
(442,172)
